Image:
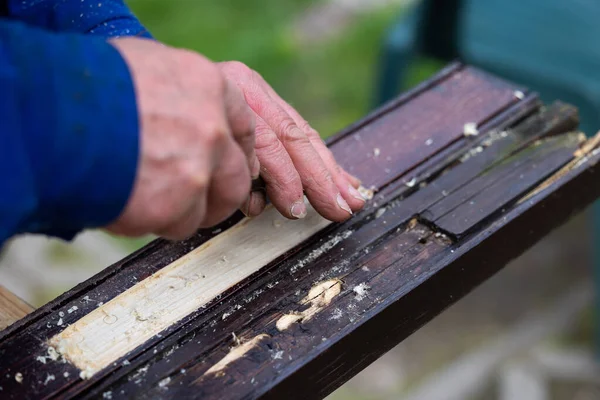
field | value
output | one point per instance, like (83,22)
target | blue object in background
(550,46)
(68,115)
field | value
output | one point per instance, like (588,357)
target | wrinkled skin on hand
(207,129)
(293,158)
(197,143)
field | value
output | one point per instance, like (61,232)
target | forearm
(69,132)
(107,18)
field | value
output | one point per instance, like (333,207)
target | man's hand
(197,143)
(292,156)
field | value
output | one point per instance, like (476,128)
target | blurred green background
(329,79)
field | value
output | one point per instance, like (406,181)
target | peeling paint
(287,320)
(139,313)
(587,148)
(236,353)
(319,296)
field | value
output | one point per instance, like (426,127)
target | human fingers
(345,182)
(242,122)
(229,186)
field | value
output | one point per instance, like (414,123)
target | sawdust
(411,183)
(470,129)
(361,291)
(319,251)
(367,194)
(49,378)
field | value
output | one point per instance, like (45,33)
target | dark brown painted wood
(398,141)
(397,260)
(411,250)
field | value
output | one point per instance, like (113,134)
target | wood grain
(398,267)
(12,308)
(113,329)
(308,320)
(400,140)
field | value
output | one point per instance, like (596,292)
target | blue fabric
(109,18)
(68,119)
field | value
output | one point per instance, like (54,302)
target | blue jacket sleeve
(68,132)
(108,18)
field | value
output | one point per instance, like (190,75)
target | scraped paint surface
(127,321)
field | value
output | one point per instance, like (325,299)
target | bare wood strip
(202,338)
(119,326)
(12,308)
(394,266)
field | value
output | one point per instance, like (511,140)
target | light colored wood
(12,308)
(119,326)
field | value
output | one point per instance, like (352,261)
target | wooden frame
(12,308)
(468,172)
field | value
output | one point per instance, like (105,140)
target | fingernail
(342,203)
(355,193)
(298,209)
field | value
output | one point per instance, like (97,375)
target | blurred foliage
(329,81)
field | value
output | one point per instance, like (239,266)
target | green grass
(329,82)
(249,31)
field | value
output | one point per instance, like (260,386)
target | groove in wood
(119,326)
(393,266)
